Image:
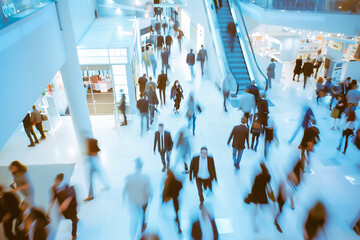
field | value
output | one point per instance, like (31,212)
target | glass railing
(14,10)
(328,6)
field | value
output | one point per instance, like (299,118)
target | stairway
(236,59)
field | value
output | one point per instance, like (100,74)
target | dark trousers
(189,123)
(30,131)
(202,66)
(8,226)
(231,41)
(152,113)
(125,119)
(39,127)
(162,95)
(226,96)
(142,116)
(169,48)
(298,75)
(144,217)
(176,208)
(162,154)
(200,183)
(166,66)
(177,103)
(305,79)
(74,221)
(255,136)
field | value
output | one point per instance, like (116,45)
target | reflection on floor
(333,177)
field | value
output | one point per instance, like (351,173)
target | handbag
(270,193)
(335,113)
(198,58)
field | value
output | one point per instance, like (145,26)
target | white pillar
(72,78)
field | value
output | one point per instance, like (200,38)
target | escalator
(235,59)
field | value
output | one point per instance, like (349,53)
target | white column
(72,78)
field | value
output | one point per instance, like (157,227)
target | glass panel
(122,80)
(117,60)
(92,52)
(119,69)
(93,60)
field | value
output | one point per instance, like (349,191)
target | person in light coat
(247,104)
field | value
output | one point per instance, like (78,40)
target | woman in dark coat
(315,221)
(171,191)
(297,69)
(258,191)
(176,94)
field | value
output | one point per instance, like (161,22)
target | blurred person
(66,197)
(239,134)
(258,192)
(159,44)
(165,60)
(9,211)
(320,89)
(145,61)
(150,236)
(172,188)
(319,61)
(308,121)
(205,227)
(152,61)
(176,95)
(142,84)
(294,178)
(253,89)
(280,199)
(161,85)
(122,107)
(247,105)
(333,90)
(143,106)
(297,68)
(190,61)
(169,42)
(307,70)
(316,220)
(165,145)
(164,25)
(255,131)
(193,108)
(338,110)
(348,130)
(179,36)
(353,96)
(202,169)
(231,30)
(270,73)
(138,191)
(182,144)
(203,56)
(226,91)
(263,112)
(95,167)
(29,130)
(150,83)
(310,138)
(35,223)
(357,139)
(153,101)
(157,24)
(36,118)
(22,181)
(270,136)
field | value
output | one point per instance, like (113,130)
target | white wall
(31,52)
(289,48)
(198,14)
(82,14)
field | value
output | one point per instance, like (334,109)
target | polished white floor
(334,177)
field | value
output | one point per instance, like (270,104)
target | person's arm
(214,170)
(231,136)
(65,204)
(191,169)
(187,59)
(20,188)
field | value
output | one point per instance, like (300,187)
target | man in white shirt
(139,192)
(202,168)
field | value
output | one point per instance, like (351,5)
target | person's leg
(240,152)
(162,155)
(176,208)
(147,121)
(340,142)
(141,123)
(163,90)
(194,120)
(346,143)
(125,119)
(202,67)
(252,141)
(144,218)
(257,140)
(168,154)
(294,77)
(39,127)
(199,183)
(234,156)
(269,82)
(298,77)
(91,190)
(8,229)
(305,79)
(74,222)
(27,131)
(34,135)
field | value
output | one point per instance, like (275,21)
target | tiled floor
(333,177)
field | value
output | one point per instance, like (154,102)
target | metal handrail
(247,46)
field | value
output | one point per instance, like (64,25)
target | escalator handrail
(249,43)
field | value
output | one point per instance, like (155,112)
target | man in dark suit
(165,144)
(308,69)
(66,197)
(168,41)
(143,106)
(231,30)
(159,43)
(9,211)
(161,85)
(254,90)
(202,168)
(190,60)
(165,59)
(203,57)
(142,84)
(263,112)
(240,133)
(206,225)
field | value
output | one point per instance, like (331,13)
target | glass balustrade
(329,6)
(14,10)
